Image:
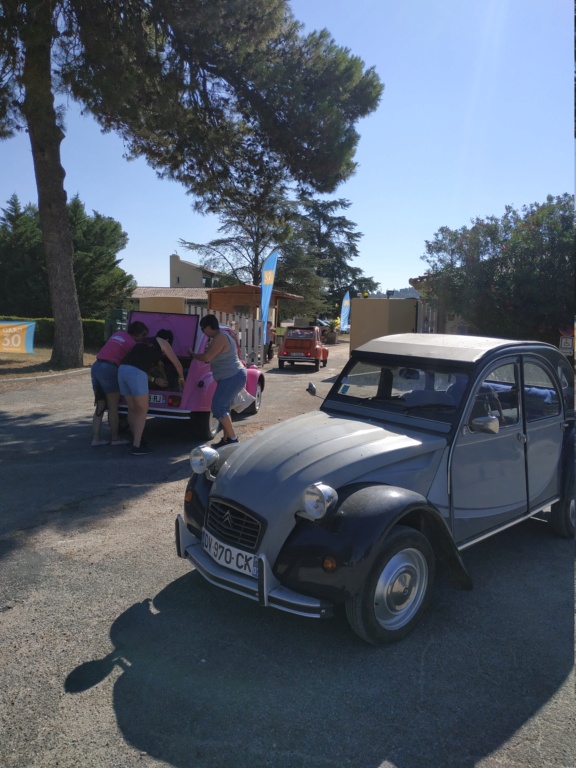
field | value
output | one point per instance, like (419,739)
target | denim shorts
(104,378)
(225,392)
(132,381)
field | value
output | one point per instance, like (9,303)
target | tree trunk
(45,138)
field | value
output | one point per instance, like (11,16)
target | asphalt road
(114,653)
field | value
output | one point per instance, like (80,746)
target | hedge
(93,331)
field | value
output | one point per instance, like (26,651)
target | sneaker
(225,441)
(140,450)
(96,443)
(120,441)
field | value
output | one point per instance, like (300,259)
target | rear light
(174,400)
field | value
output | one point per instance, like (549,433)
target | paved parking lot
(114,653)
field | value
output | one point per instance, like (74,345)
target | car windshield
(433,388)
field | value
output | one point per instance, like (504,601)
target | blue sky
(477,113)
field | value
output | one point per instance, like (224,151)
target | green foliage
(202,90)
(93,331)
(102,284)
(331,243)
(511,277)
(315,245)
(297,273)
(199,88)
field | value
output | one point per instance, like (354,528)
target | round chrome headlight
(317,500)
(202,459)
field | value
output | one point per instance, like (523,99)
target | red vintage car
(303,345)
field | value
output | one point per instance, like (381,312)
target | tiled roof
(146,292)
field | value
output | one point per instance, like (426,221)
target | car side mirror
(311,388)
(486,424)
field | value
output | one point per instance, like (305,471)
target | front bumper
(266,589)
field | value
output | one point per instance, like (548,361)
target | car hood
(268,474)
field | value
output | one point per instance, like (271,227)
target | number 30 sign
(17,337)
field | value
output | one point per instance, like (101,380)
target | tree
(511,277)
(297,273)
(191,86)
(97,239)
(23,288)
(102,284)
(315,245)
(256,217)
(331,240)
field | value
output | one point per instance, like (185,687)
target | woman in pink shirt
(105,380)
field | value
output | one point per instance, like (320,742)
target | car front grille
(233,525)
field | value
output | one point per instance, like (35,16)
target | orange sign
(17,337)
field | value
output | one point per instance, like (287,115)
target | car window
(300,333)
(497,395)
(541,397)
(402,388)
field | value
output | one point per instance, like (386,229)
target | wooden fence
(250,332)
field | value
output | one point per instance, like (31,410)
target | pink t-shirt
(116,348)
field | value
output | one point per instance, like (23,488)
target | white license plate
(230,557)
(296,354)
(159,399)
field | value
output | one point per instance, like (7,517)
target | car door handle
(522,438)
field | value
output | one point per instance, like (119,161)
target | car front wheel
(397,590)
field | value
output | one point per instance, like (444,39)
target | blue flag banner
(345,313)
(268,274)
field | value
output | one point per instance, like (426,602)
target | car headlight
(317,500)
(202,459)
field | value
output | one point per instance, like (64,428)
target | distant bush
(44,333)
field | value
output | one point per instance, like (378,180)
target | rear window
(300,333)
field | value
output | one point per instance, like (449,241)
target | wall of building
(183,274)
(370,318)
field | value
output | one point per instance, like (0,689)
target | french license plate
(230,557)
(158,399)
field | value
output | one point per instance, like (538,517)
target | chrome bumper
(266,589)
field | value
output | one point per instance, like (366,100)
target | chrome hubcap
(400,589)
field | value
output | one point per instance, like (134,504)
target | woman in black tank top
(133,380)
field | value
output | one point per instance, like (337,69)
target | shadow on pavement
(50,474)
(210,679)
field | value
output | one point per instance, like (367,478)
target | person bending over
(133,380)
(104,373)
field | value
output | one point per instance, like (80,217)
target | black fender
(196,503)
(353,534)
(196,497)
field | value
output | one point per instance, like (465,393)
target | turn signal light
(329,563)
(174,400)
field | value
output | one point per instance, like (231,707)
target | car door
(488,469)
(544,422)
